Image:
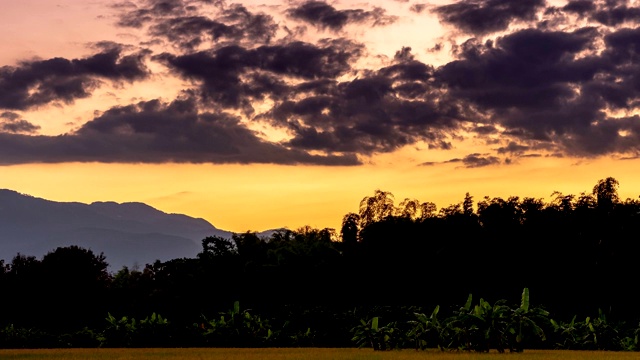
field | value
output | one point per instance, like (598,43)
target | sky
(257,115)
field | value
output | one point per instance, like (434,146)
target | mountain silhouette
(128,234)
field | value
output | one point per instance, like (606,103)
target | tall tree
(349,231)
(409,209)
(467,205)
(606,192)
(377,207)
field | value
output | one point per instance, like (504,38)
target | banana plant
(303,338)
(153,331)
(630,342)
(369,333)
(118,332)
(238,328)
(15,337)
(460,329)
(492,326)
(425,330)
(599,334)
(568,334)
(524,321)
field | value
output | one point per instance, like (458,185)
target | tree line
(577,253)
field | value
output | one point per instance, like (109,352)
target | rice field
(299,354)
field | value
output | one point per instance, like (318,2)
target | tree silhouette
(22,289)
(428,210)
(606,192)
(409,208)
(467,204)
(376,208)
(217,246)
(75,281)
(577,252)
(349,230)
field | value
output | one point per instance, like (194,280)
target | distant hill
(127,233)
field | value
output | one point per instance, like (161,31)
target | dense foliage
(388,278)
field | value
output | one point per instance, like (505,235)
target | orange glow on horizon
(259,197)
(262,196)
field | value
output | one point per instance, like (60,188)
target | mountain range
(128,234)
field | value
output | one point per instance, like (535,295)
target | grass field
(298,354)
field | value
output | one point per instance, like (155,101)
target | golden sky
(257,116)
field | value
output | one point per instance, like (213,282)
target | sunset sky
(256,116)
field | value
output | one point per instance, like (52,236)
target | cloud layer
(525,77)
(39,82)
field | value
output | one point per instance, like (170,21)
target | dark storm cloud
(485,130)
(138,14)
(618,87)
(616,13)
(539,88)
(513,148)
(380,112)
(187,26)
(553,88)
(11,122)
(325,16)
(190,32)
(234,24)
(155,132)
(476,160)
(486,16)
(19,126)
(580,7)
(9,116)
(39,82)
(606,136)
(605,12)
(255,27)
(442,145)
(527,80)
(234,76)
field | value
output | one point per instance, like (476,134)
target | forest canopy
(576,253)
